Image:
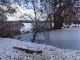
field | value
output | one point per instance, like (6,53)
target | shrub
(10,28)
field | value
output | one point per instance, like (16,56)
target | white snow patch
(48,52)
(27,27)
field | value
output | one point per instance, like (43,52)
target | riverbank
(7,52)
(67,38)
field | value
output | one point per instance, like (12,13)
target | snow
(48,52)
(24,11)
(20,14)
(72,25)
(27,27)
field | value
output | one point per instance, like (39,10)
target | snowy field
(48,52)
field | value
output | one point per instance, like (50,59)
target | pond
(67,38)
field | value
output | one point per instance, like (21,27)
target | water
(67,38)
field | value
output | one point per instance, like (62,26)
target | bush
(10,28)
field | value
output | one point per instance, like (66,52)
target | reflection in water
(68,38)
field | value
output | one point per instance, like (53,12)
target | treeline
(9,28)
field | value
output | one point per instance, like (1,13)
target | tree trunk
(34,36)
(51,24)
(58,21)
(58,25)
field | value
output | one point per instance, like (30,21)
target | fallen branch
(28,50)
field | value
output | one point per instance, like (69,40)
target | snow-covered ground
(72,25)
(48,52)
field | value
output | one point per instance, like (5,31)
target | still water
(68,38)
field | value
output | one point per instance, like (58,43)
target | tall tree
(60,9)
(64,10)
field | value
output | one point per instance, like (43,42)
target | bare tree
(58,10)
(38,26)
